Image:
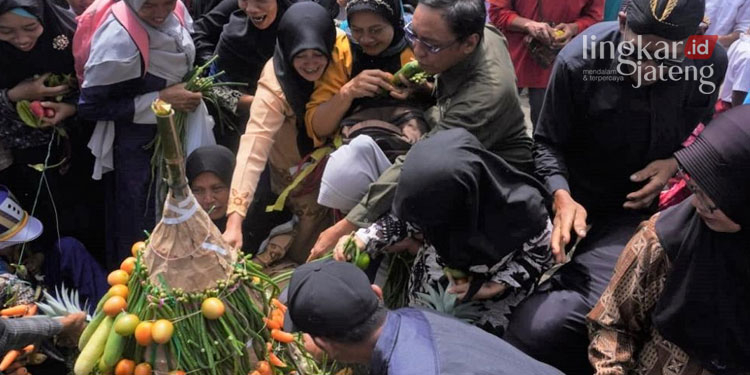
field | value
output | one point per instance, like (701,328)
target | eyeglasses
(413,39)
(703,200)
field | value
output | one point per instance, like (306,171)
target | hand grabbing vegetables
(36,89)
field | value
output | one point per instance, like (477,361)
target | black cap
(328,298)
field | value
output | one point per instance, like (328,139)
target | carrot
(275,361)
(272,324)
(12,355)
(9,358)
(32,310)
(281,336)
(264,368)
(14,311)
(278,317)
(279,305)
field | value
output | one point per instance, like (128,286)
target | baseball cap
(16,225)
(328,298)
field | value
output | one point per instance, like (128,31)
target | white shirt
(728,16)
(738,70)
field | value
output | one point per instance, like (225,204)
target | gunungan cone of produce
(186,249)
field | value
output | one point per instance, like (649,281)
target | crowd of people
(601,230)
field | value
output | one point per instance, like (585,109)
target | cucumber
(91,327)
(93,350)
(112,349)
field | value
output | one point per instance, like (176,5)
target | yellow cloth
(337,74)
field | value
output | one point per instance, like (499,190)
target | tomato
(212,308)
(125,367)
(162,331)
(118,277)
(114,305)
(128,265)
(137,247)
(363,261)
(143,333)
(142,369)
(119,290)
(125,325)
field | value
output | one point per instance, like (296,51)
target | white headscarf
(350,171)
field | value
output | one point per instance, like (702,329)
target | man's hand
(328,238)
(73,325)
(540,31)
(409,88)
(488,290)
(658,173)
(367,84)
(569,215)
(566,32)
(233,232)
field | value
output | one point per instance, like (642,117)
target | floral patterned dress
(519,271)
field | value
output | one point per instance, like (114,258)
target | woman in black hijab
(244,38)
(477,215)
(362,66)
(275,134)
(35,42)
(680,295)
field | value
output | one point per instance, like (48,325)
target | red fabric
(502,13)
(721,107)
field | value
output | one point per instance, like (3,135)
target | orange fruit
(212,308)
(125,367)
(162,331)
(142,369)
(118,277)
(128,265)
(143,333)
(137,247)
(114,305)
(177,372)
(119,290)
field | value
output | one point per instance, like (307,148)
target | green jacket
(478,94)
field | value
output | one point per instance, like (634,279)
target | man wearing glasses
(603,147)
(475,90)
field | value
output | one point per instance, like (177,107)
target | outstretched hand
(657,173)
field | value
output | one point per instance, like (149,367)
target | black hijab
(705,306)
(244,49)
(390,59)
(470,204)
(305,25)
(670,19)
(53,50)
(216,159)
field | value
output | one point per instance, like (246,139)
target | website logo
(700,47)
(648,62)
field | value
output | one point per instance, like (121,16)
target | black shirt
(596,129)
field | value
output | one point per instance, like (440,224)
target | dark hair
(364,330)
(465,17)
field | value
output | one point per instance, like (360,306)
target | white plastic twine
(185,214)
